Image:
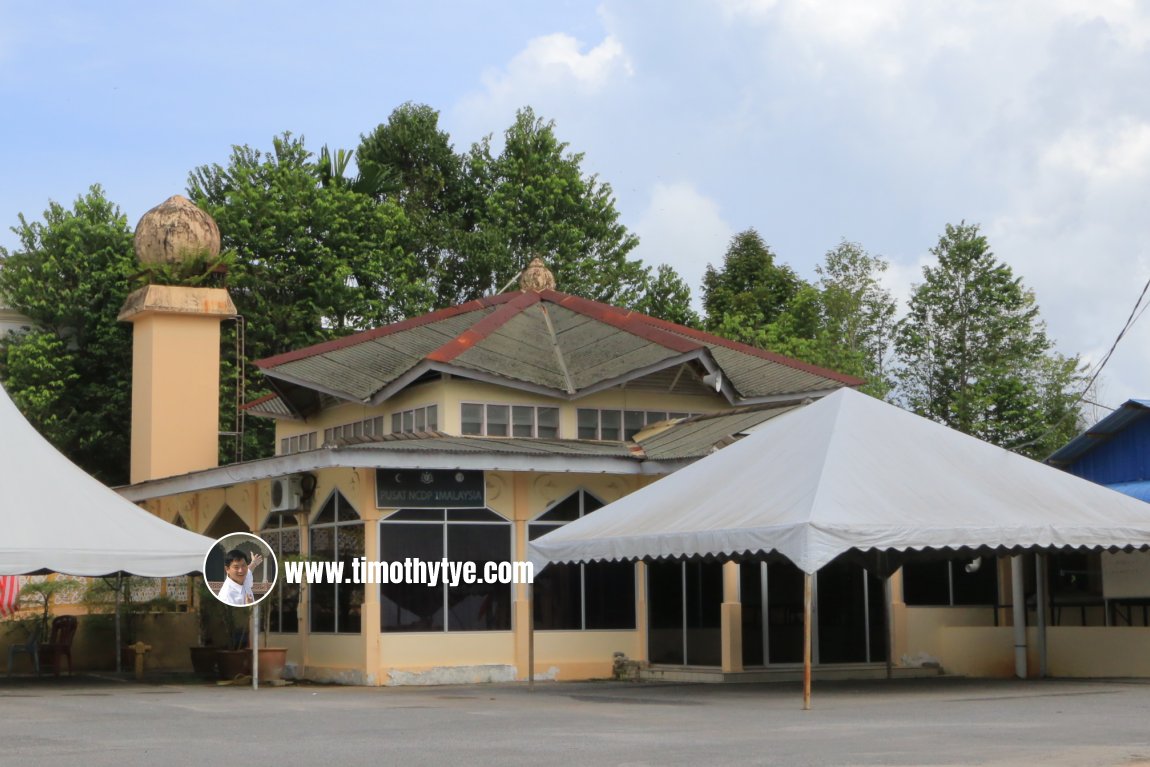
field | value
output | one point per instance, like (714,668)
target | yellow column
(301,518)
(175,378)
(521,615)
(362,490)
(732,619)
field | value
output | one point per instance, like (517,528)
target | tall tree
(312,260)
(532,199)
(313,257)
(975,355)
(750,290)
(71,374)
(425,178)
(858,315)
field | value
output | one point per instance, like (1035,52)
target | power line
(1135,315)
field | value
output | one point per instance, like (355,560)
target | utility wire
(1135,315)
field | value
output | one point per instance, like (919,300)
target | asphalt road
(95,722)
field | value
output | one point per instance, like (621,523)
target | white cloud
(684,229)
(549,67)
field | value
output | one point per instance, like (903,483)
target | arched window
(596,595)
(282,534)
(336,535)
(459,535)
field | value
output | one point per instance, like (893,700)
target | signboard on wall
(429,489)
(1126,575)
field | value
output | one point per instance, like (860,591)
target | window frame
(484,421)
(583,494)
(340,500)
(430,517)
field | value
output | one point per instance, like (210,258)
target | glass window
(463,535)
(596,595)
(632,423)
(411,606)
(336,535)
(588,424)
(522,421)
(548,423)
(947,583)
(472,419)
(497,420)
(609,423)
(432,417)
(283,535)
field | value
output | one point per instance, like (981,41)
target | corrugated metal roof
(701,435)
(509,337)
(271,406)
(1130,412)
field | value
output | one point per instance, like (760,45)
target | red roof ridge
(624,319)
(629,319)
(386,330)
(738,346)
(485,327)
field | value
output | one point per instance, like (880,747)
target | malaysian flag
(9,591)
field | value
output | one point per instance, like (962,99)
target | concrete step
(784,673)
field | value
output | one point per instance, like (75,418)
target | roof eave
(357,458)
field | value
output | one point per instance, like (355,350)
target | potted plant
(273,660)
(235,659)
(204,654)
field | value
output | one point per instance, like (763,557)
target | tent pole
(887,592)
(1040,607)
(254,632)
(1018,597)
(807,578)
(531,637)
(119,652)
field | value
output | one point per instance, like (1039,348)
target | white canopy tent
(56,518)
(850,473)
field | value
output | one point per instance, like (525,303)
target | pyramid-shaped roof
(544,341)
(853,473)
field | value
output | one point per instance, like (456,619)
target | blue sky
(877,121)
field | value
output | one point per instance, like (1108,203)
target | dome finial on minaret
(176,231)
(536,277)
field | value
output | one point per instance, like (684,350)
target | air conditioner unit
(287,493)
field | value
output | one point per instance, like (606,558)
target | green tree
(314,258)
(532,199)
(858,315)
(425,178)
(71,375)
(750,290)
(668,297)
(974,353)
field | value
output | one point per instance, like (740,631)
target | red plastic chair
(59,644)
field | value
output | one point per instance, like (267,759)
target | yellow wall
(449,394)
(1096,651)
(582,654)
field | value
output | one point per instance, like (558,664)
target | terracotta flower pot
(272,662)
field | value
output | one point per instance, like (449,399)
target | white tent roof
(54,517)
(852,472)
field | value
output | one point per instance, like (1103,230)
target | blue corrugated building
(1114,452)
